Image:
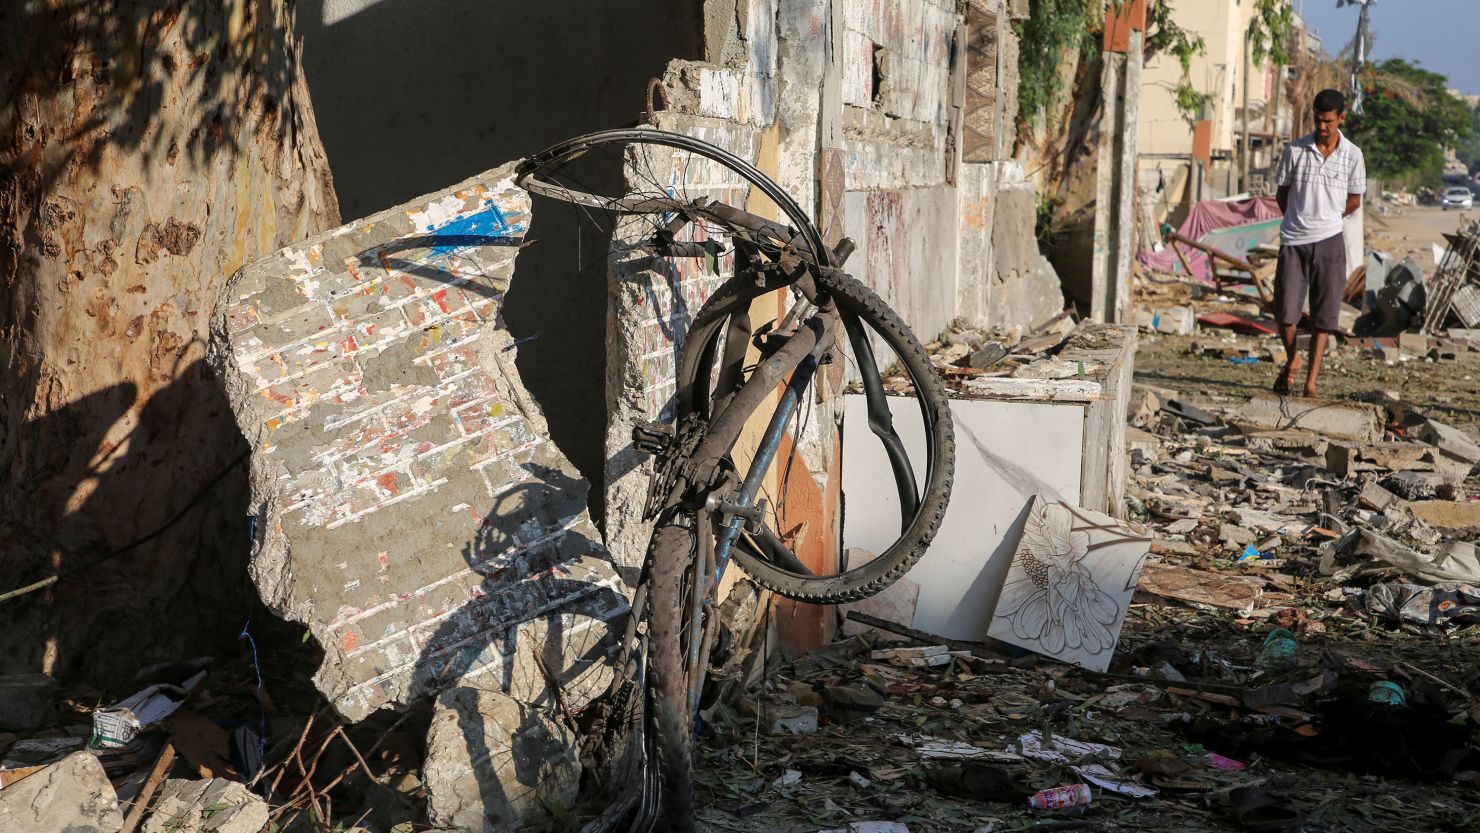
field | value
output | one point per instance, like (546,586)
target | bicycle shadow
(539,630)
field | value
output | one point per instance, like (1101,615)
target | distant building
(1173,143)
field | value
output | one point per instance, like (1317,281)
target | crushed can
(1057,798)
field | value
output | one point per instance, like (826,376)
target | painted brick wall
(410,508)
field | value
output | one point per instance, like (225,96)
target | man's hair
(1330,101)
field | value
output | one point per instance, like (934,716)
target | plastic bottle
(1075,795)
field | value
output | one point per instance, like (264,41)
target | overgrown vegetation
(1409,119)
(1053,27)
(1269,31)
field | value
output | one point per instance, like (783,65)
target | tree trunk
(147,150)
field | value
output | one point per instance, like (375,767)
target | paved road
(1410,231)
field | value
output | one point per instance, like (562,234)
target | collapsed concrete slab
(71,795)
(1360,421)
(494,763)
(410,508)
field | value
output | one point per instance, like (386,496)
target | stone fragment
(410,508)
(214,805)
(496,764)
(1182,526)
(1359,421)
(70,796)
(26,701)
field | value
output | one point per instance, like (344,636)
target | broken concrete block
(1450,440)
(1304,443)
(214,805)
(26,701)
(1448,515)
(496,764)
(1415,485)
(1414,344)
(1142,446)
(70,796)
(1360,421)
(1376,497)
(410,508)
(1344,459)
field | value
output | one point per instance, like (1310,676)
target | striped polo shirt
(1318,186)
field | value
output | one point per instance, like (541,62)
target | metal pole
(1244,154)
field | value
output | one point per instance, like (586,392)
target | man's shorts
(1318,268)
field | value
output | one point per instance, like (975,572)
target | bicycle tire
(853,298)
(670,552)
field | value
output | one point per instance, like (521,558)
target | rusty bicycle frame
(693,475)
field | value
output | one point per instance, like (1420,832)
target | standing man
(1321,179)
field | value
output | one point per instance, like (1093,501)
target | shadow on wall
(411,97)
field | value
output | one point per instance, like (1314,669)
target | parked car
(1458,197)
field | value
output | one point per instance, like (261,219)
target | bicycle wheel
(671,578)
(872,327)
(661,172)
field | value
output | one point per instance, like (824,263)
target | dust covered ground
(1321,756)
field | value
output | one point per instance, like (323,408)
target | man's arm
(1356,185)
(1282,196)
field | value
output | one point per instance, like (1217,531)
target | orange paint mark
(349,642)
(807,515)
(440,299)
(388,482)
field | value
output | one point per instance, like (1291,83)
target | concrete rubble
(215,805)
(409,507)
(494,763)
(70,796)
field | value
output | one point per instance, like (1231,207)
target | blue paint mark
(488,223)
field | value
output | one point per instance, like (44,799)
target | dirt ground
(1450,390)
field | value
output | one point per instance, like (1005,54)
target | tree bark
(147,150)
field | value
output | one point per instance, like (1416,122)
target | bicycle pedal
(651,437)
